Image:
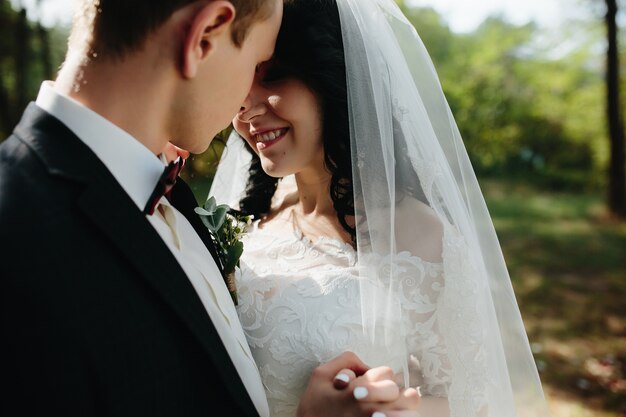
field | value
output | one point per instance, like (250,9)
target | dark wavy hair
(310,48)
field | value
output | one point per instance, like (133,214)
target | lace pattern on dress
(299,306)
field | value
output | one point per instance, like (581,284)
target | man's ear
(208,25)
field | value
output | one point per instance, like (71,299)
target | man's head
(113,28)
(200,55)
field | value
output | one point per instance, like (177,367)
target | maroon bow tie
(165,184)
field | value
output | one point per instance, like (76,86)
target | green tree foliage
(527,106)
(523,110)
(29,53)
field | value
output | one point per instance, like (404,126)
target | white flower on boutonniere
(226,230)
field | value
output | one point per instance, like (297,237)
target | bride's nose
(253,106)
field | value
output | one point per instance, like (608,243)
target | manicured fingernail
(378,414)
(360,393)
(343,377)
(419,391)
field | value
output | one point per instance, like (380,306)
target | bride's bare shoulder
(419,230)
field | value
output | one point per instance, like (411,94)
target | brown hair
(116,27)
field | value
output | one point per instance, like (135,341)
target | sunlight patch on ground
(564,405)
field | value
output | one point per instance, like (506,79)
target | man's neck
(128,94)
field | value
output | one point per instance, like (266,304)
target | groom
(111,302)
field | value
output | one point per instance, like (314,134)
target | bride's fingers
(346,360)
(380,373)
(406,405)
(408,401)
(343,378)
(378,391)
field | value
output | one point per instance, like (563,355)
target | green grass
(567,261)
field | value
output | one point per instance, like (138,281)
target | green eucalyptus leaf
(201,211)
(208,222)
(219,216)
(210,205)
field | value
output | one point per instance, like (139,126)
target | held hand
(378,394)
(321,399)
(344,387)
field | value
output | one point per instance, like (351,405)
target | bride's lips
(269,137)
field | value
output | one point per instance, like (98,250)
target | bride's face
(281,120)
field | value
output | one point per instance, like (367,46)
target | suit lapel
(108,206)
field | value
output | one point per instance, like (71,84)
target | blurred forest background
(542,120)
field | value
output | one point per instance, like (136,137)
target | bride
(371,233)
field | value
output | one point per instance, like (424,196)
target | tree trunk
(44,40)
(6,117)
(6,63)
(46,59)
(21,64)
(617,168)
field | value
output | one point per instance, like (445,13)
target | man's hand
(346,387)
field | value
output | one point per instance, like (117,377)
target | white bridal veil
(416,194)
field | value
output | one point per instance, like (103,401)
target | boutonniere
(226,230)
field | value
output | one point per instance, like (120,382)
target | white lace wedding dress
(299,307)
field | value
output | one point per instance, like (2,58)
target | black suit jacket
(98,318)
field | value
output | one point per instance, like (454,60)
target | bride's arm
(422,284)
(426,315)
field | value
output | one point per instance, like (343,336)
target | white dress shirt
(138,170)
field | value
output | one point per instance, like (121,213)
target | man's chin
(194,148)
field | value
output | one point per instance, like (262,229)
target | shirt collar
(133,165)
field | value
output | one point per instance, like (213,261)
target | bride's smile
(281,121)
(267,138)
